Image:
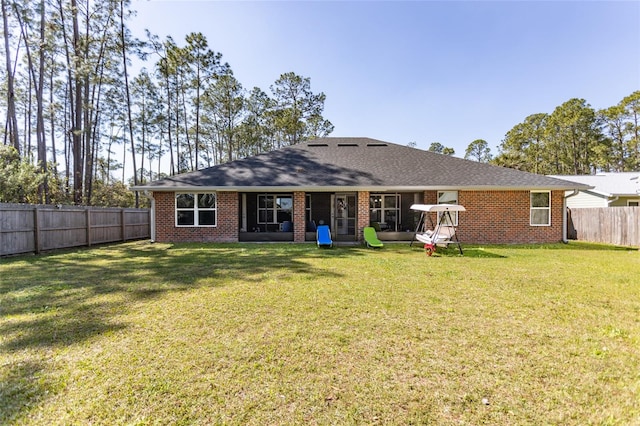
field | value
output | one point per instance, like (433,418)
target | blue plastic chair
(287,226)
(323,236)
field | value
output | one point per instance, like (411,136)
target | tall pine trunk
(12,119)
(43,189)
(77,114)
(126,87)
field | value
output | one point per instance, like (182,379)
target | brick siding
(363,213)
(225,231)
(492,217)
(299,225)
(503,217)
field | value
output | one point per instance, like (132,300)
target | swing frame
(442,233)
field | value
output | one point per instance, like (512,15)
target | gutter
(348,188)
(148,195)
(565,220)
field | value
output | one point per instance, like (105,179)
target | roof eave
(612,194)
(627,195)
(373,188)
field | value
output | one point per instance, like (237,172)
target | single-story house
(351,183)
(608,190)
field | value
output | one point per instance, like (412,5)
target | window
(540,208)
(385,210)
(307,208)
(633,203)
(196,209)
(449,197)
(273,208)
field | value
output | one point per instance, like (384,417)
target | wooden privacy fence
(610,225)
(32,229)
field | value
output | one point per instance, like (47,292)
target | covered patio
(270,216)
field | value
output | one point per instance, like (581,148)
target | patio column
(299,217)
(363,213)
(430,197)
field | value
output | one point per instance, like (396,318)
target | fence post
(636,212)
(88,219)
(36,230)
(124,226)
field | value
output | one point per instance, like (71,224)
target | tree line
(78,115)
(574,139)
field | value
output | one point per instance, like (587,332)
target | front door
(345,216)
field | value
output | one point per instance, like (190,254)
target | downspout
(609,202)
(152,219)
(565,220)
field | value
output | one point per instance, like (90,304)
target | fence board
(62,228)
(611,225)
(20,225)
(29,228)
(106,226)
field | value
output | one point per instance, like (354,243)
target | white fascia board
(381,188)
(263,188)
(600,193)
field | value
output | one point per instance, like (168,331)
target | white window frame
(384,210)
(454,215)
(196,209)
(275,208)
(307,208)
(532,208)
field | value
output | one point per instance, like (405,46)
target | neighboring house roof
(332,164)
(624,184)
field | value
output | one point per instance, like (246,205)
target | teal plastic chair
(371,238)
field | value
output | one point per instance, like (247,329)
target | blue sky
(448,72)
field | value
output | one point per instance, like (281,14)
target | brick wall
(504,217)
(225,231)
(491,217)
(431,197)
(363,213)
(299,220)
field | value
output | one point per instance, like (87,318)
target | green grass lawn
(252,334)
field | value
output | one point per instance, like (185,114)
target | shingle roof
(625,184)
(355,164)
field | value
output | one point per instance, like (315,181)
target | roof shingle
(355,164)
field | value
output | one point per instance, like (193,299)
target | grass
(143,333)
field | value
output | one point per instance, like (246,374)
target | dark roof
(355,164)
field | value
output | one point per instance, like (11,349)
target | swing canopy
(438,208)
